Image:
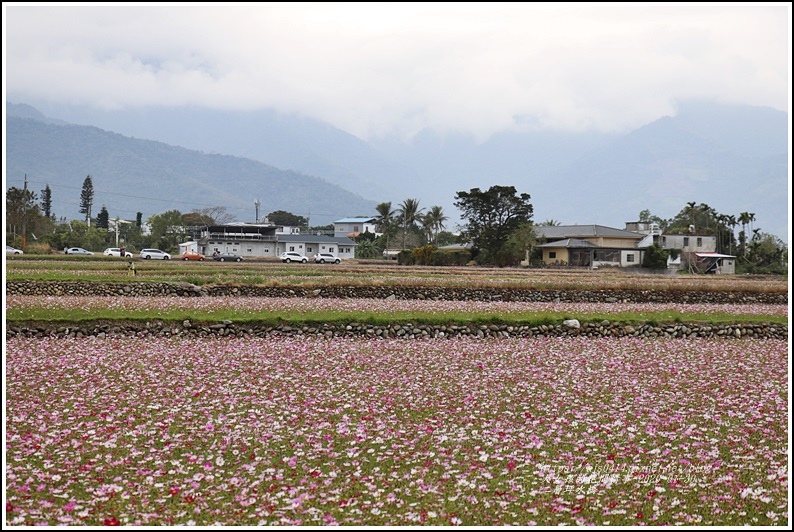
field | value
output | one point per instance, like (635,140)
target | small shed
(716,263)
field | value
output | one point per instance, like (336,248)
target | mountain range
(734,158)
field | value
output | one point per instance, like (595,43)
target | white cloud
(374,69)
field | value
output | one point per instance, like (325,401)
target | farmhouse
(590,246)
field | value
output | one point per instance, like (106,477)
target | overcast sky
(378,69)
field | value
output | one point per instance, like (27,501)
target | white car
(78,251)
(291,256)
(13,251)
(116,252)
(154,254)
(322,258)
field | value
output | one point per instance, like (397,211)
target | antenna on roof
(257,204)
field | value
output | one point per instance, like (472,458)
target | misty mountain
(131,175)
(733,158)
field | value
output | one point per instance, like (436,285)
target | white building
(352,227)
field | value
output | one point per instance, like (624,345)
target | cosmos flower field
(353,431)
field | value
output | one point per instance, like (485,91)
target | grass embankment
(297,318)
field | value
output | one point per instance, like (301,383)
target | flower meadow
(312,431)
(250,306)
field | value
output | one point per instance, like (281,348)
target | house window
(249,250)
(308,249)
(552,254)
(331,250)
(630,257)
(292,248)
(700,242)
(686,241)
(355,229)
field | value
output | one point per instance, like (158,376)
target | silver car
(78,251)
(154,254)
(13,251)
(322,258)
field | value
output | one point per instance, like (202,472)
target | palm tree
(435,219)
(408,212)
(733,223)
(384,219)
(744,219)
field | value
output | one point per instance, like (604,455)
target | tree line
(498,227)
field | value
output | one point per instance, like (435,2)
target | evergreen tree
(46,201)
(103,219)
(87,199)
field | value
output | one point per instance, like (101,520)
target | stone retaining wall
(149,289)
(603,329)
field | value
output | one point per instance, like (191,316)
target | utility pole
(25,216)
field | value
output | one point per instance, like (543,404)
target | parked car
(226,257)
(147,254)
(291,256)
(322,258)
(78,251)
(192,255)
(116,252)
(13,251)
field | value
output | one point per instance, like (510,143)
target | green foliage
(77,234)
(766,254)
(23,216)
(406,258)
(423,255)
(518,247)
(491,217)
(168,229)
(655,257)
(287,218)
(367,249)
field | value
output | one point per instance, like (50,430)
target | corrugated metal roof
(569,243)
(579,231)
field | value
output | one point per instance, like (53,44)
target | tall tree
(492,216)
(87,199)
(220,215)
(46,201)
(22,213)
(408,213)
(168,229)
(435,219)
(287,218)
(103,219)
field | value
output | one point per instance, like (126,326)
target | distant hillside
(131,175)
(734,158)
